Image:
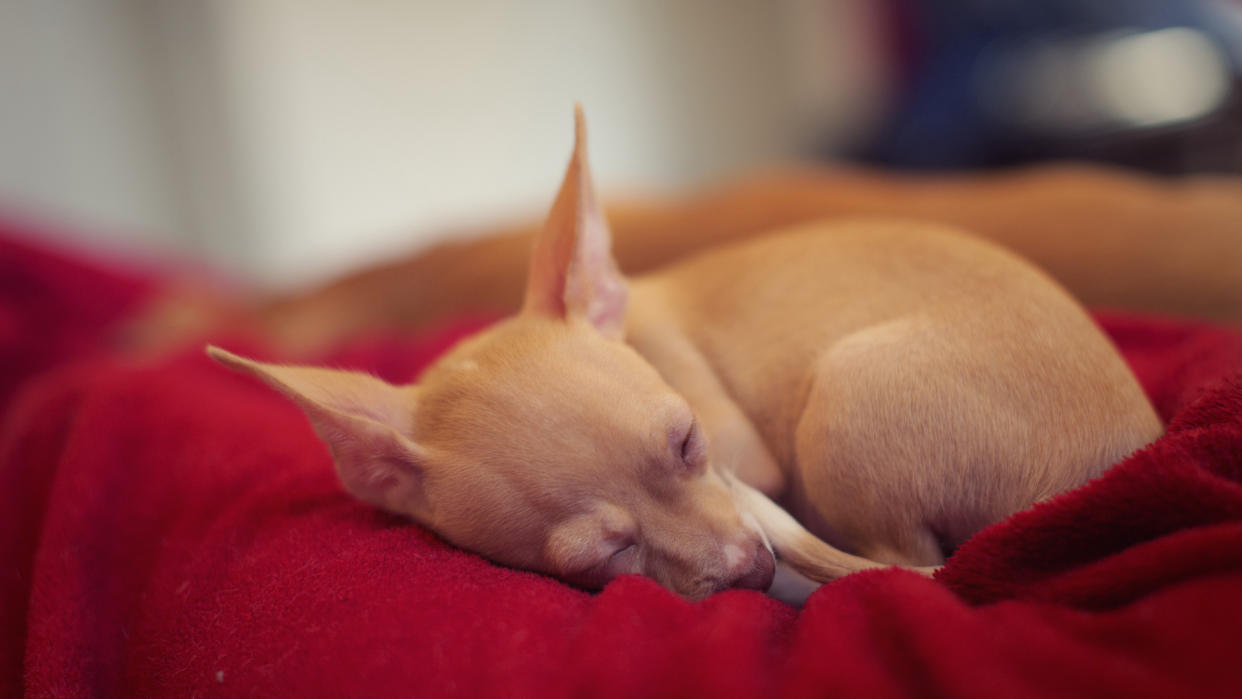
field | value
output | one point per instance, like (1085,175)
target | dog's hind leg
(792,587)
(914,549)
(793,544)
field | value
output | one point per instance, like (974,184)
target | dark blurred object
(1150,84)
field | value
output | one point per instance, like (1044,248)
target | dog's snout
(758,575)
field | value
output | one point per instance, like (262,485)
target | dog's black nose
(759,577)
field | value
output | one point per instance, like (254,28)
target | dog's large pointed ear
(365,421)
(572,272)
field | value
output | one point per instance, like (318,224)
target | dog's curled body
(896,385)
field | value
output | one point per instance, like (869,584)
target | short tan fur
(894,386)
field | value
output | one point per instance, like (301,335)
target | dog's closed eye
(691,450)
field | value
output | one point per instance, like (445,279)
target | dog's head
(546,442)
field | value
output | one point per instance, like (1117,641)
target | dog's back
(914,384)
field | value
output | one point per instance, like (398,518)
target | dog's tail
(797,547)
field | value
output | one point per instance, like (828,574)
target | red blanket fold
(177,530)
(55,308)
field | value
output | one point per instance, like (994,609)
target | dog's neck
(655,326)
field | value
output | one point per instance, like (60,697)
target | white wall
(288,140)
(79,138)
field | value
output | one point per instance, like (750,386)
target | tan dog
(897,386)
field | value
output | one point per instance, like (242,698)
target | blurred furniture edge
(1113,238)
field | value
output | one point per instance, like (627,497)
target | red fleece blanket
(177,530)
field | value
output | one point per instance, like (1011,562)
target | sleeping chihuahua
(895,386)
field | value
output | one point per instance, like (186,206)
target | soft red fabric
(55,307)
(177,530)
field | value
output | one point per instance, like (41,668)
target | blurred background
(287,141)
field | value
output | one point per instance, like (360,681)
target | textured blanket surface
(177,530)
